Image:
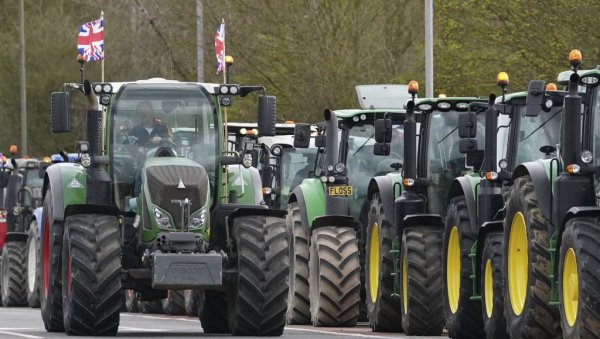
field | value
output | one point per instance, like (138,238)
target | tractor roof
(350,113)
(210,87)
(510,97)
(457,103)
(563,77)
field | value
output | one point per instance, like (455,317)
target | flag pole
(103,42)
(226,138)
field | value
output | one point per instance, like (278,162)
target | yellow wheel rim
(453,269)
(374,262)
(404,284)
(570,288)
(489,288)
(518,263)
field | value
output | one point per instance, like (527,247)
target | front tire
(91,274)
(14,272)
(259,297)
(213,315)
(421,281)
(526,266)
(492,296)
(193,299)
(174,303)
(33,261)
(383,309)
(298,310)
(578,280)
(334,277)
(463,315)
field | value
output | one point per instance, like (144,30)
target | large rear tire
(383,309)
(174,303)
(14,274)
(526,266)
(298,310)
(33,261)
(50,266)
(259,297)
(213,315)
(463,315)
(421,281)
(334,277)
(492,296)
(91,273)
(578,280)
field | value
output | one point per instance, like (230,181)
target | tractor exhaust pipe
(570,145)
(331,138)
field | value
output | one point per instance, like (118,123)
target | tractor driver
(149,130)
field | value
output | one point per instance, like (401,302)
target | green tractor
(473,234)
(405,227)
(551,223)
(160,205)
(324,217)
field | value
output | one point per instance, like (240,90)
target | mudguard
(246,182)
(421,220)
(334,220)
(540,176)
(311,199)
(385,185)
(16,236)
(465,185)
(68,184)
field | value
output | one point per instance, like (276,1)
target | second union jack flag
(90,42)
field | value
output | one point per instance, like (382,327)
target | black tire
(259,295)
(463,315)
(581,237)
(91,273)
(50,268)
(192,302)
(334,277)
(383,309)
(14,274)
(537,319)
(151,306)
(174,303)
(34,275)
(132,304)
(494,322)
(298,310)
(213,315)
(422,306)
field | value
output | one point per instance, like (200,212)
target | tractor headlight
(98,88)
(162,219)
(276,150)
(323,179)
(330,168)
(107,88)
(247,161)
(165,222)
(503,164)
(331,179)
(86,160)
(363,117)
(340,167)
(198,219)
(355,118)
(586,157)
(224,89)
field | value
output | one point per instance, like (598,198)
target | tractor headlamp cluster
(198,219)
(587,157)
(340,167)
(104,91)
(162,219)
(86,160)
(228,89)
(247,160)
(276,150)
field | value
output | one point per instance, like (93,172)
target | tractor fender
(421,220)
(74,209)
(485,229)
(68,184)
(16,236)
(541,184)
(310,197)
(385,185)
(574,212)
(464,186)
(37,216)
(334,220)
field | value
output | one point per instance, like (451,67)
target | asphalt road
(27,323)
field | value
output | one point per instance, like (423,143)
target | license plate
(340,190)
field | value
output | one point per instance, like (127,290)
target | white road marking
(137,329)
(159,318)
(343,334)
(15,334)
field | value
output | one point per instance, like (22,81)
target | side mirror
(467,125)
(267,112)
(535,98)
(381,148)
(59,103)
(467,145)
(302,136)
(320,141)
(383,130)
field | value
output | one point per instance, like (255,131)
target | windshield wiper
(542,125)
(447,135)
(363,145)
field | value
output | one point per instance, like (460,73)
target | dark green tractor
(156,202)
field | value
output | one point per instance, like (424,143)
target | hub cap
(518,261)
(489,288)
(374,262)
(46,258)
(405,284)
(31,252)
(570,288)
(453,269)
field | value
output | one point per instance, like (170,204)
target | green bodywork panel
(74,186)
(314,198)
(240,180)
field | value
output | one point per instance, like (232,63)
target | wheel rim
(489,288)
(46,258)
(31,254)
(570,288)
(518,262)
(404,285)
(374,262)
(453,269)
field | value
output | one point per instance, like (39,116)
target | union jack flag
(220,47)
(90,42)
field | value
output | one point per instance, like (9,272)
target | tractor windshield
(296,165)
(535,132)
(150,118)
(445,162)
